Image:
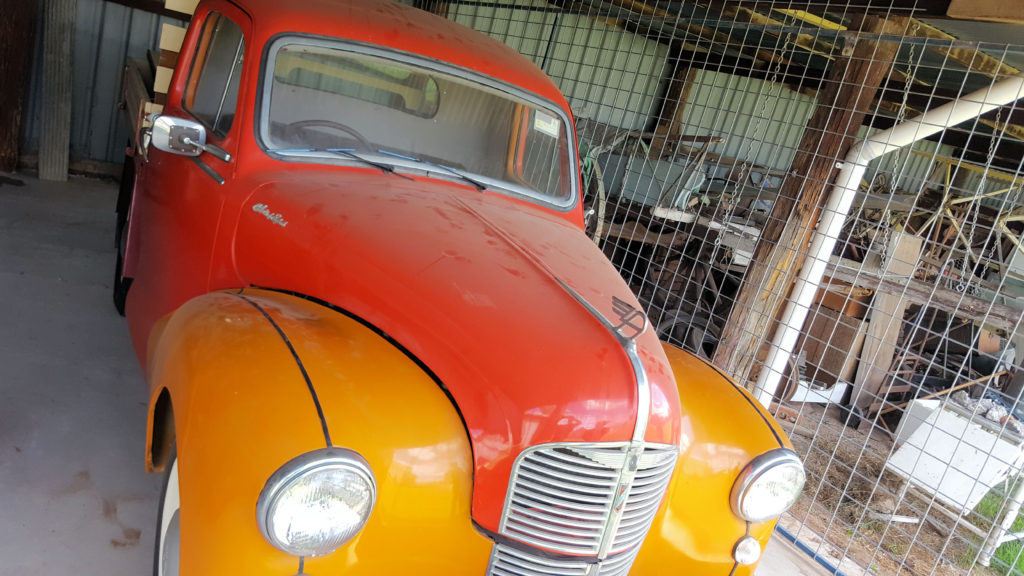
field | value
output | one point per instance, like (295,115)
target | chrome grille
(562,498)
(508,561)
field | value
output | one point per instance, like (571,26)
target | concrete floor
(74,497)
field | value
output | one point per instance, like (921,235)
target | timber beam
(154,7)
(843,103)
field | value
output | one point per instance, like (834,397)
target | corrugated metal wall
(105,35)
(760,122)
(606,73)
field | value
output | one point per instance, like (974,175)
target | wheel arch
(160,436)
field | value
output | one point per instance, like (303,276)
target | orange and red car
(377,339)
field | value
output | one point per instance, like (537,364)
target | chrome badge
(275,217)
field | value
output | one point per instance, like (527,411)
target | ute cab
(376,337)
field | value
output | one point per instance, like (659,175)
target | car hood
(473,285)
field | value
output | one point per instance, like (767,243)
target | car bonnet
(500,299)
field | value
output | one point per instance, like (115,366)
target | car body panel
(466,283)
(236,386)
(696,534)
(439,329)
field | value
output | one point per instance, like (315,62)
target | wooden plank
(162,82)
(992,314)
(58,38)
(842,106)
(921,8)
(703,32)
(17,30)
(168,59)
(172,37)
(808,42)
(884,324)
(987,10)
(183,6)
(151,6)
(974,59)
(136,95)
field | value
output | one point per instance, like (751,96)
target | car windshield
(325,97)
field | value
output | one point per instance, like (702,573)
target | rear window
(396,87)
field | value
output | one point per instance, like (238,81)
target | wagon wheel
(694,332)
(595,203)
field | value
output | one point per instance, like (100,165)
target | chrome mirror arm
(212,149)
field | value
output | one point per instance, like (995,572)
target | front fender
(724,428)
(242,408)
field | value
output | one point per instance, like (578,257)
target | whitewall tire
(168,536)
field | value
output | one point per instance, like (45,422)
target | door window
(211,94)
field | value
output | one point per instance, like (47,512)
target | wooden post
(17,30)
(885,322)
(842,105)
(58,37)
(674,100)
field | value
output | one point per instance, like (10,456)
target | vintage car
(376,337)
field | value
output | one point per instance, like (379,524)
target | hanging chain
(901,114)
(886,251)
(911,75)
(992,140)
(762,115)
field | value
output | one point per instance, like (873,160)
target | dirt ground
(856,510)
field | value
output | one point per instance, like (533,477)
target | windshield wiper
(476,183)
(346,153)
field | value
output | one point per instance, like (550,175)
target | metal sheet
(761,122)
(606,73)
(106,34)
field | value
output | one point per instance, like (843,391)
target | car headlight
(768,486)
(317,502)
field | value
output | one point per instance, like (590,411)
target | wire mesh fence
(871,294)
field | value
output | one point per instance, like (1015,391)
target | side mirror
(185,137)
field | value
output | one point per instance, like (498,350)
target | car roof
(401,27)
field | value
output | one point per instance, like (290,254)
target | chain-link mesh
(712,136)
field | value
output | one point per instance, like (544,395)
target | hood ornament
(632,322)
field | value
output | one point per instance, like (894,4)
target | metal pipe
(837,208)
(995,537)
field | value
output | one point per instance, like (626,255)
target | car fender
(258,377)
(723,429)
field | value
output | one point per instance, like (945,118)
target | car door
(178,199)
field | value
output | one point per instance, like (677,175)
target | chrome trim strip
(627,317)
(626,476)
